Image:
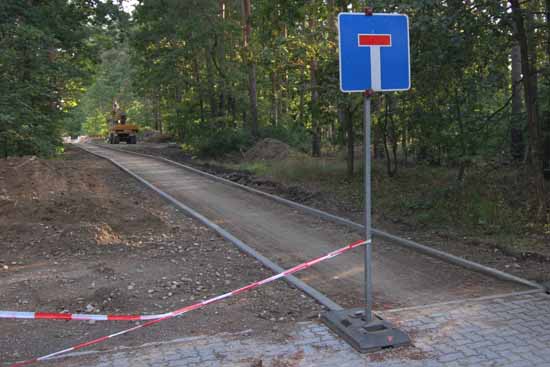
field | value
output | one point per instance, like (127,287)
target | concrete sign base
(362,336)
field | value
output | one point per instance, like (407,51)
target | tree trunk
(517,146)
(547,6)
(315,109)
(546,135)
(394,137)
(388,133)
(315,126)
(530,85)
(404,144)
(252,89)
(253,100)
(180,128)
(347,121)
(199,89)
(274,99)
(211,85)
(462,137)
(302,107)
(232,105)
(158,120)
(221,59)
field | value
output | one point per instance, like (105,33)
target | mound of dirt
(267,149)
(156,137)
(75,203)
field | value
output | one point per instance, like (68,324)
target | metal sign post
(374,56)
(368,206)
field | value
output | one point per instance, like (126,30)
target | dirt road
(401,277)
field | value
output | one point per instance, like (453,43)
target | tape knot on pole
(369,11)
(369,93)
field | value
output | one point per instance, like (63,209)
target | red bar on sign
(374,40)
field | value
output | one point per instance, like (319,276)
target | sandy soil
(78,235)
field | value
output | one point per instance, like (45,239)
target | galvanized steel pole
(368,204)
(368,196)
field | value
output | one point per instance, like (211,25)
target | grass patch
(431,197)
(489,202)
(307,170)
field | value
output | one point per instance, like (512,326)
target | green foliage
(177,64)
(96,125)
(112,83)
(189,64)
(46,56)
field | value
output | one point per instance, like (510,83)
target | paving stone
(510,331)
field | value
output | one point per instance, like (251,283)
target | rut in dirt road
(402,278)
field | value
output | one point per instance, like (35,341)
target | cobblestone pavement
(507,331)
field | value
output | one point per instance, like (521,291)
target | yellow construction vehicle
(119,130)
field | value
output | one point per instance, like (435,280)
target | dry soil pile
(268,149)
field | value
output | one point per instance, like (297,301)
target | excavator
(119,130)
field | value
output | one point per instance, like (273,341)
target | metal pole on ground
(368,204)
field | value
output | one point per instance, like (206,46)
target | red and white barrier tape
(76,316)
(195,306)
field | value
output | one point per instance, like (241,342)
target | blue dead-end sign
(374,52)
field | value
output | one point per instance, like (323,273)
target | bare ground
(78,235)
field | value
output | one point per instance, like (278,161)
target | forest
(218,75)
